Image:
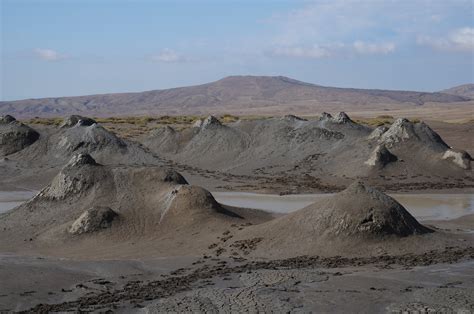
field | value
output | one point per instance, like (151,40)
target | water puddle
(12,199)
(422,206)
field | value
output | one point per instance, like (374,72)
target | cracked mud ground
(433,281)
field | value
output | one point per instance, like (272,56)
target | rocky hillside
(466,90)
(234,94)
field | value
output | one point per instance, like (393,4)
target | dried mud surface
(257,279)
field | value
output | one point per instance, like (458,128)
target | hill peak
(263,79)
(465,90)
(239,95)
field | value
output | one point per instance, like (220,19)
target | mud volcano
(79,134)
(93,219)
(335,149)
(14,135)
(75,119)
(91,207)
(359,216)
(363,211)
(35,165)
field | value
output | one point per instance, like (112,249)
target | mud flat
(358,245)
(117,226)
(428,282)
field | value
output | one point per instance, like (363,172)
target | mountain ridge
(464,90)
(232,94)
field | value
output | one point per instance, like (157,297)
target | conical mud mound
(79,175)
(88,138)
(208,142)
(460,158)
(365,211)
(93,219)
(209,122)
(82,135)
(356,218)
(14,135)
(325,117)
(403,131)
(6,119)
(293,118)
(377,132)
(334,148)
(77,120)
(342,118)
(188,202)
(380,157)
(81,205)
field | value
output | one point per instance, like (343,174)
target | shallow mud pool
(11,199)
(422,206)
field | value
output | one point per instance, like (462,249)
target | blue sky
(72,47)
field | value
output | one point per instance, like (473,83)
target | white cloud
(461,40)
(48,54)
(313,52)
(365,27)
(168,56)
(333,28)
(373,48)
(333,50)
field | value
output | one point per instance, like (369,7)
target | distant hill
(466,90)
(233,94)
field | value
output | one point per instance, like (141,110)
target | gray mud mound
(37,164)
(81,159)
(403,131)
(365,211)
(422,149)
(292,118)
(79,174)
(355,219)
(209,122)
(378,132)
(88,138)
(459,157)
(83,135)
(334,149)
(380,157)
(152,202)
(207,142)
(193,203)
(165,138)
(325,116)
(94,219)
(342,117)
(245,146)
(75,119)
(6,119)
(15,136)
(359,210)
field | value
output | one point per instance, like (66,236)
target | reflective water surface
(11,199)
(422,206)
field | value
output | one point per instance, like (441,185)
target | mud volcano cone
(359,212)
(14,135)
(366,211)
